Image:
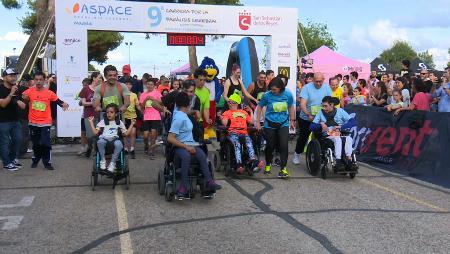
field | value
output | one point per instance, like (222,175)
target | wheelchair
(169,178)
(122,171)
(320,157)
(227,155)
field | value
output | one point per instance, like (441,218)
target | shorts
(128,123)
(151,125)
(83,126)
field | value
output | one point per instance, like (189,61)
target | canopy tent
(183,70)
(380,66)
(417,65)
(331,63)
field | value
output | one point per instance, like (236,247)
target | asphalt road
(377,212)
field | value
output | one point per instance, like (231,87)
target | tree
(100,43)
(315,35)
(448,64)
(400,51)
(427,58)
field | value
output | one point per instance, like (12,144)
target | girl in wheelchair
(236,120)
(331,120)
(110,129)
(180,136)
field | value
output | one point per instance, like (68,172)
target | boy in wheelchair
(181,137)
(236,120)
(332,122)
(110,130)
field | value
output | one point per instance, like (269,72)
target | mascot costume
(215,89)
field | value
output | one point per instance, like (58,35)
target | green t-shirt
(203,96)
(111,95)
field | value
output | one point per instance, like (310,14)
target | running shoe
(49,167)
(182,193)
(152,156)
(258,166)
(112,167)
(103,164)
(296,159)
(240,170)
(132,154)
(267,169)
(10,167)
(146,149)
(34,164)
(212,185)
(16,163)
(277,162)
(284,174)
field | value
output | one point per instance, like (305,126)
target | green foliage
(91,68)
(100,43)
(401,50)
(29,21)
(316,35)
(427,58)
(11,4)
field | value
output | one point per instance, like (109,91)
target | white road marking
(122,218)
(26,201)
(12,222)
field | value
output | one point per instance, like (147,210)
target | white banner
(75,18)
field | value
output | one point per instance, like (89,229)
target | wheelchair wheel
(323,172)
(94,181)
(127,182)
(161,182)
(313,157)
(216,162)
(169,192)
(352,175)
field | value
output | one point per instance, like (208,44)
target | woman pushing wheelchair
(332,121)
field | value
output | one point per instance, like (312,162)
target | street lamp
(14,50)
(129,44)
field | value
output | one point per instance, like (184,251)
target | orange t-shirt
(161,88)
(40,112)
(238,120)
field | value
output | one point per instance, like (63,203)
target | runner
(336,91)
(87,98)
(258,88)
(111,91)
(130,116)
(40,119)
(280,115)
(151,104)
(311,101)
(235,84)
(10,130)
(203,94)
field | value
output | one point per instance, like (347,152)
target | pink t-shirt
(422,101)
(150,113)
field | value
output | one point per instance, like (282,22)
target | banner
(414,141)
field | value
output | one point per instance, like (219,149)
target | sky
(361,29)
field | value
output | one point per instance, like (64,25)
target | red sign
(245,20)
(185,40)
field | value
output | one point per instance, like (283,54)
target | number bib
(315,110)
(279,106)
(111,100)
(38,105)
(148,103)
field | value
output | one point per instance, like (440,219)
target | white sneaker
(11,167)
(296,159)
(112,167)
(103,164)
(29,150)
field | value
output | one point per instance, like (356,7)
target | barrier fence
(414,142)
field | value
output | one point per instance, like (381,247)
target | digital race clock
(185,39)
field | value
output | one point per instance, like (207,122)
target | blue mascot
(215,89)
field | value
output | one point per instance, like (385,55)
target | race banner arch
(75,18)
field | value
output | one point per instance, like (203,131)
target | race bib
(111,100)
(39,106)
(148,103)
(315,110)
(279,106)
(131,108)
(260,95)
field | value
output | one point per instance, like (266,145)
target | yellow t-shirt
(338,94)
(130,113)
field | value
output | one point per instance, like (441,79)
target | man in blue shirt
(443,93)
(310,104)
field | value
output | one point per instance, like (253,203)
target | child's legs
(133,138)
(234,138)
(153,136)
(337,146)
(146,134)
(249,145)
(117,149)
(101,145)
(348,147)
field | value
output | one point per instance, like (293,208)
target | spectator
(269,76)
(443,94)
(353,78)
(336,90)
(401,85)
(175,86)
(363,87)
(358,98)
(396,102)
(345,79)
(347,94)
(421,100)
(10,130)
(339,77)
(405,68)
(390,81)
(424,75)
(379,99)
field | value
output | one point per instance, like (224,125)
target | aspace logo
(245,20)
(70,41)
(154,14)
(100,10)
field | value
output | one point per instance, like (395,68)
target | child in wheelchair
(236,120)
(332,121)
(181,138)
(110,130)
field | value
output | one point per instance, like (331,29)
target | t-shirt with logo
(112,95)
(238,120)
(203,96)
(40,111)
(150,113)
(277,107)
(110,132)
(313,97)
(130,113)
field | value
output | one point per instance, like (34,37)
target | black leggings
(277,139)
(303,135)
